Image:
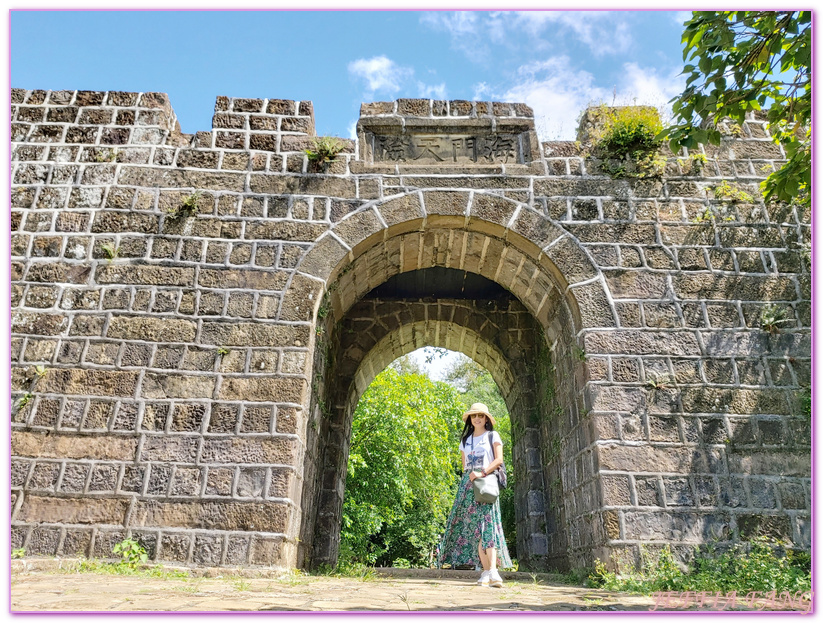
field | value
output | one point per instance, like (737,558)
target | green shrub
(629,131)
(131,552)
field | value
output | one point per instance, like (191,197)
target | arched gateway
(195,318)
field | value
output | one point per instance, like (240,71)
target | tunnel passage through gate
(501,301)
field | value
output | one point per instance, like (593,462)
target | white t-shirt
(478,451)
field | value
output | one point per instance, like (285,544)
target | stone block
(144,275)
(251,516)
(653,459)
(302,185)
(242,278)
(37,509)
(679,527)
(263,388)
(253,334)
(208,550)
(762,525)
(219,481)
(277,450)
(285,230)
(628,342)
(170,449)
(635,284)
(43,541)
(76,543)
(57,272)
(151,329)
(156,385)
(770,463)
(90,382)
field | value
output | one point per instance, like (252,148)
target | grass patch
(123,568)
(756,566)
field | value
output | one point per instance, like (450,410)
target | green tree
(742,61)
(402,469)
(476,384)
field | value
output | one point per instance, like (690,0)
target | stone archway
(510,245)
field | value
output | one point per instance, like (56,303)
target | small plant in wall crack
(657,381)
(771,318)
(188,206)
(324,151)
(24,400)
(19,552)
(112,252)
(223,351)
(724,190)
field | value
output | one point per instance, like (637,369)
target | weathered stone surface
(682,527)
(275,389)
(170,449)
(245,279)
(89,382)
(181,178)
(652,459)
(253,334)
(251,516)
(629,342)
(144,275)
(151,329)
(771,463)
(302,185)
(68,446)
(73,511)
(177,386)
(635,284)
(281,451)
(285,230)
(38,324)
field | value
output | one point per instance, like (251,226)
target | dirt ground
(45,586)
(54,585)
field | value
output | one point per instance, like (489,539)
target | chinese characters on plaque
(428,149)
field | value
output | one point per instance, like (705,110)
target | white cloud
(381,74)
(432,91)
(604,32)
(481,89)
(647,86)
(559,92)
(681,17)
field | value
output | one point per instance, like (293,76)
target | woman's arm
(463,460)
(498,459)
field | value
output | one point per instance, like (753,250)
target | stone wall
(180,305)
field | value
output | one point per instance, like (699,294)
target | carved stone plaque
(447,148)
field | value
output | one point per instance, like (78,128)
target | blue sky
(556,61)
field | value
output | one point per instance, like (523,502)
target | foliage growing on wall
(626,139)
(744,61)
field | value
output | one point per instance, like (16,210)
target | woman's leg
(491,554)
(484,559)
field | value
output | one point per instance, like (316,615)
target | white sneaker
(494,579)
(484,578)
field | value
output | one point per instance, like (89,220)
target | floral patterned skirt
(470,523)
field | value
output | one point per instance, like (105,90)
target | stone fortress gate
(194,318)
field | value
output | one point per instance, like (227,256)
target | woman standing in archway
(474,532)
